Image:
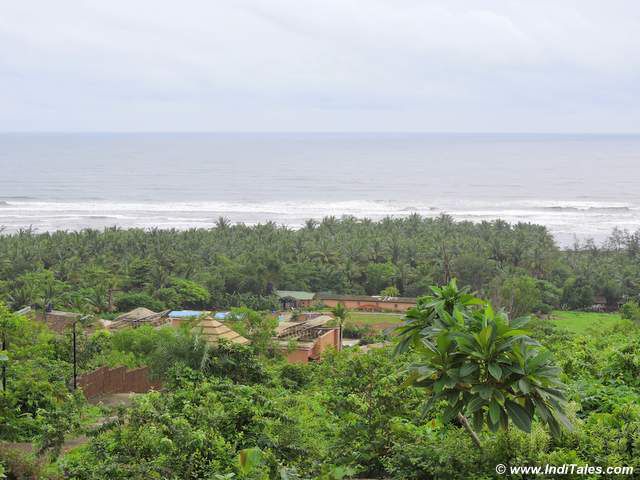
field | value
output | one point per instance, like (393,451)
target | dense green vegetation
(563,388)
(519,267)
(353,413)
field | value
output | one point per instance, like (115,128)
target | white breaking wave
(565,219)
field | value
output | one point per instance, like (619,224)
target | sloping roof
(292,329)
(139,313)
(213,331)
(318,321)
(136,317)
(297,295)
(365,298)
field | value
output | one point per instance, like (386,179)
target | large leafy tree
(482,365)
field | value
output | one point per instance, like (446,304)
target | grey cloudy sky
(330,65)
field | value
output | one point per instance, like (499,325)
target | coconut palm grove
(515,351)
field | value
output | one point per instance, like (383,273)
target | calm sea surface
(581,186)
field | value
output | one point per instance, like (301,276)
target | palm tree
(342,314)
(22,296)
(98,298)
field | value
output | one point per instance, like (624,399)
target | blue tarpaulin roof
(186,313)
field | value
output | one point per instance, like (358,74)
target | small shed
(295,298)
(310,337)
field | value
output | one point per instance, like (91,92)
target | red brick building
(366,303)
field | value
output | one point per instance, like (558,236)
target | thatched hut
(137,317)
(213,332)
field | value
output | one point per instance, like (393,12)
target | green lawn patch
(582,322)
(365,318)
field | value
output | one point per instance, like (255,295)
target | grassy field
(576,322)
(581,322)
(365,318)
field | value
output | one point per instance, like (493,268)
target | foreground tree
(484,366)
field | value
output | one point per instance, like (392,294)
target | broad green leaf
(493,426)
(495,370)
(538,360)
(515,333)
(438,385)
(488,312)
(542,410)
(554,427)
(450,412)
(518,415)
(519,322)
(475,404)
(443,341)
(468,369)
(523,385)
(494,411)
(561,417)
(499,396)
(485,391)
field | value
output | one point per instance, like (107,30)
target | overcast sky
(320,65)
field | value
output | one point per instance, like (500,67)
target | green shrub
(631,311)
(432,451)
(182,293)
(577,294)
(295,375)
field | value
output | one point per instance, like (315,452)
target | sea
(580,186)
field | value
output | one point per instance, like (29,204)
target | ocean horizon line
(326,132)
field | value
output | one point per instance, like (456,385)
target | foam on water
(582,220)
(580,186)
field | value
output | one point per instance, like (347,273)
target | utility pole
(4,363)
(75,358)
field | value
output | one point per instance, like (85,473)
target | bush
(350,330)
(543,309)
(577,294)
(236,362)
(295,375)
(19,465)
(631,311)
(183,293)
(520,295)
(432,451)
